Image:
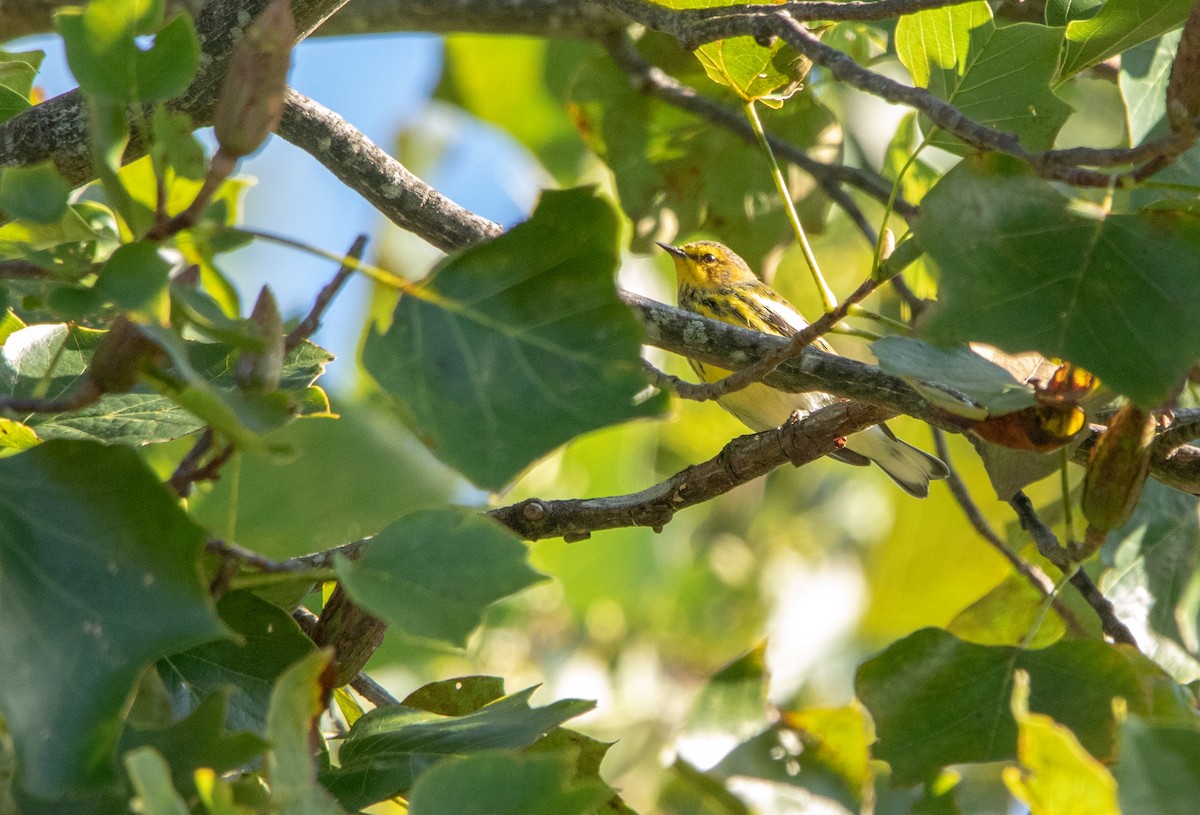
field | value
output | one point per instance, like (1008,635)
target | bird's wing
(782,316)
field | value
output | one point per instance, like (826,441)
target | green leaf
(984,382)
(285,508)
(514,785)
(1024,269)
(269,640)
(1155,560)
(937,700)
(432,573)
(98,577)
(521,339)
(1056,774)
(17,72)
(134,278)
(456,697)
(1061,12)
(175,144)
(197,741)
(997,76)
(676,174)
(1007,615)
(165,70)
(35,192)
(151,778)
(100,54)
(388,748)
(1119,25)
(109,65)
(750,70)
(481,70)
(1158,768)
(733,703)
(1145,70)
(825,751)
(688,791)
(297,701)
(49,359)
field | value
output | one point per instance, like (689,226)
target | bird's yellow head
(705,264)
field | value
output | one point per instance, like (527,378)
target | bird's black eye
(708,257)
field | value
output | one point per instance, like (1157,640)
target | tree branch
(57,129)
(1050,548)
(742,460)
(367,169)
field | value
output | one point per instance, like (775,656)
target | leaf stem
(1065,481)
(828,300)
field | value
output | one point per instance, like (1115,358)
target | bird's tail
(912,469)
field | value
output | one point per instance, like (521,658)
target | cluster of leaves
(151,665)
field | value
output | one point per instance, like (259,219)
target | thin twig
(367,687)
(181,480)
(83,395)
(1032,574)
(309,325)
(1050,548)
(372,691)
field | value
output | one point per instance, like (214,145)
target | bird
(715,282)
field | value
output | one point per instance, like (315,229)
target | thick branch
(364,167)
(742,460)
(58,128)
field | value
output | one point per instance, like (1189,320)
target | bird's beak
(674,250)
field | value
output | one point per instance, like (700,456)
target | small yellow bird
(716,283)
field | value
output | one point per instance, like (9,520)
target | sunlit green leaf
(1056,774)
(17,72)
(90,523)
(1118,25)
(35,192)
(521,339)
(517,785)
(135,278)
(298,700)
(434,572)
(1013,613)
(937,700)
(165,69)
(1024,269)
(996,75)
